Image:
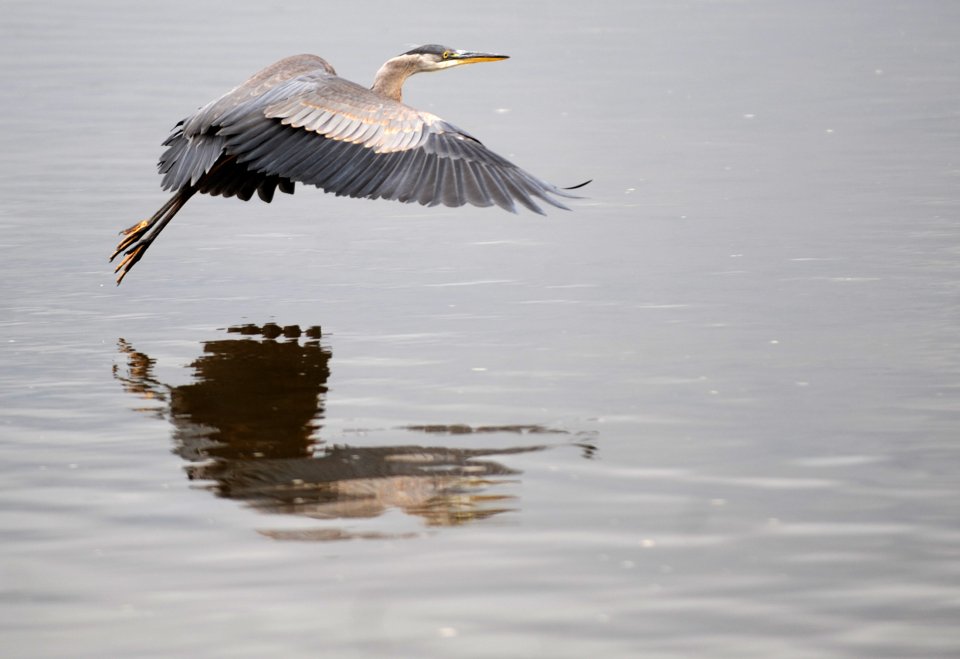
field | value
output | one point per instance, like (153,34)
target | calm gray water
(712,411)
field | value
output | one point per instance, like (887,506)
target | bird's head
(434,57)
(390,77)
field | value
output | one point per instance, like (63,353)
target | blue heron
(297,121)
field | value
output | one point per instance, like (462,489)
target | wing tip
(579,185)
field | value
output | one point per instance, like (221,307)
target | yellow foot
(131,236)
(142,224)
(128,261)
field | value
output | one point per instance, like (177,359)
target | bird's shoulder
(253,90)
(341,109)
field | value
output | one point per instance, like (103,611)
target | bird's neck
(391,76)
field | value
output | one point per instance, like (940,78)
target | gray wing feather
(194,146)
(186,160)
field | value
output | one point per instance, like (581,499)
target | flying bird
(297,121)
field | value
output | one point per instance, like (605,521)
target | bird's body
(297,121)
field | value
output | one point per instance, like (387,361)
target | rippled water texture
(711,412)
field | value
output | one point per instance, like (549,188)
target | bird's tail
(138,238)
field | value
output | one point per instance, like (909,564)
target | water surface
(712,411)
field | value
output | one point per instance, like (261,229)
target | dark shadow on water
(248,425)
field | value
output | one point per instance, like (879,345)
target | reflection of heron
(296,120)
(247,425)
(248,399)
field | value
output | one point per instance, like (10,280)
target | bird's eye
(447,54)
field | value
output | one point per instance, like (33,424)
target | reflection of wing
(297,121)
(444,486)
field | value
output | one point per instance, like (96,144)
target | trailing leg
(138,238)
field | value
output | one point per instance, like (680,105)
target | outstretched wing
(322,130)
